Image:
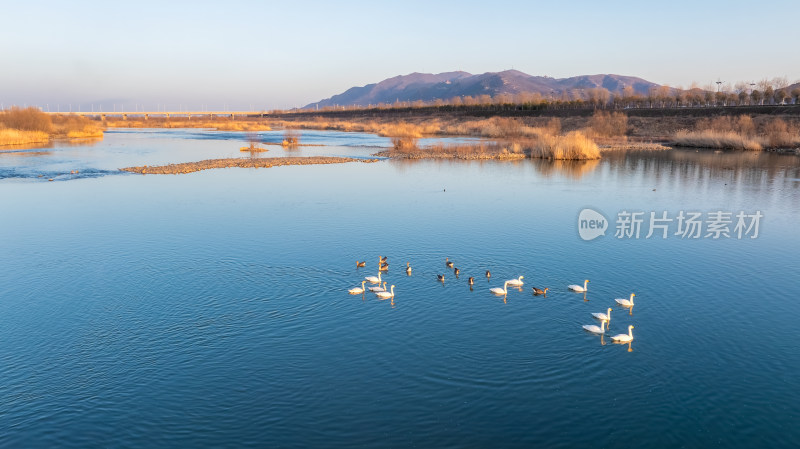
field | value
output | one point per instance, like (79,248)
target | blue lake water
(211,309)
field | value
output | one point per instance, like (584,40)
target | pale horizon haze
(267,55)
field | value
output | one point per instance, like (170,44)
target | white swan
(357,290)
(373,279)
(594,329)
(385,295)
(626,302)
(624,338)
(515,282)
(603,316)
(500,291)
(578,288)
(378,288)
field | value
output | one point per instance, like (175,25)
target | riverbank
(31,126)
(190,167)
(544,135)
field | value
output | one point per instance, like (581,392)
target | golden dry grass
(605,124)
(740,133)
(18,137)
(253,148)
(574,145)
(86,133)
(500,128)
(30,125)
(221,124)
(238,126)
(27,119)
(717,139)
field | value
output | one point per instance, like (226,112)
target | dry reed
(18,137)
(27,119)
(717,139)
(571,146)
(30,125)
(605,124)
(740,133)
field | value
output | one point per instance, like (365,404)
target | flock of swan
(604,318)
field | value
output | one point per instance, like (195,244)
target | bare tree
(780,82)
(764,84)
(719,98)
(768,94)
(682,97)
(708,96)
(599,96)
(796,95)
(779,96)
(756,96)
(742,97)
(503,99)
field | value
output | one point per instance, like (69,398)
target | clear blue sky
(277,54)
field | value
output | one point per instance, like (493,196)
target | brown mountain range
(429,87)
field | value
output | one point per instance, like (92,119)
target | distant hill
(429,87)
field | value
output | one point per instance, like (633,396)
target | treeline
(765,92)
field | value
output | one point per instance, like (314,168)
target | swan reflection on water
(629,343)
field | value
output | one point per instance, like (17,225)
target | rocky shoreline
(190,167)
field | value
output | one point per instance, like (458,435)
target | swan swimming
(357,290)
(624,338)
(603,316)
(373,279)
(378,288)
(385,295)
(515,282)
(594,329)
(626,302)
(578,288)
(500,291)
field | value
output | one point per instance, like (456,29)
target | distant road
(146,114)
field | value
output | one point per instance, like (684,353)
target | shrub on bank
(717,139)
(571,146)
(27,119)
(18,137)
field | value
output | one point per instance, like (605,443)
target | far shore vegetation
(23,126)
(581,124)
(571,136)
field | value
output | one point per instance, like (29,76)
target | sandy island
(189,167)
